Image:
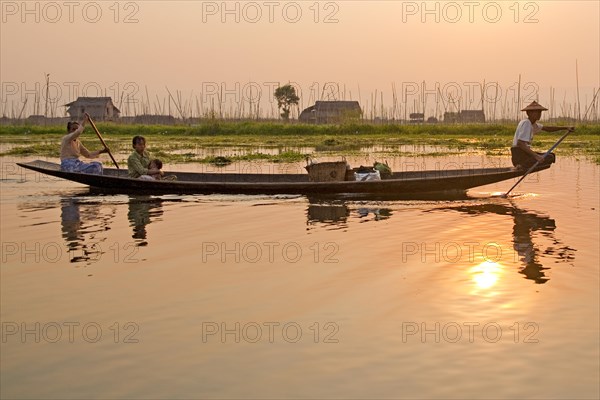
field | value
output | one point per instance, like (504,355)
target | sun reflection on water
(486,274)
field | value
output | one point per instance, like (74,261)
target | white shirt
(525,131)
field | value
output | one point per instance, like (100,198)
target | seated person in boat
(71,149)
(154,164)
(522,155)
(138,163)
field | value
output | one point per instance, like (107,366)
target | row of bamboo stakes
(503,107)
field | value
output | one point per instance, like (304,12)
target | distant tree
(286,97)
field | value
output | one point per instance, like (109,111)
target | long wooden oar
(537,162)
(102,140)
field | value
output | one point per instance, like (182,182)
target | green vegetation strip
(245,137)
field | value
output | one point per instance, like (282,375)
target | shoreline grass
(322,139)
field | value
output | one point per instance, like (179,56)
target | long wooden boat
(399,183)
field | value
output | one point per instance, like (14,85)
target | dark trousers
(520,157)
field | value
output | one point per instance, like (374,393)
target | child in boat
(155,164)
(521,154)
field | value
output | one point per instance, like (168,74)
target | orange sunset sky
(360,46)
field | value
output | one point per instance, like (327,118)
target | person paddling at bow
(71,149)
(522,155)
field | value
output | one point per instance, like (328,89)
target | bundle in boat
(331,171)
(377,172)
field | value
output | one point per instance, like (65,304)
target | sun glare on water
(486,274)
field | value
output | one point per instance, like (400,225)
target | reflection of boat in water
(379,213)
(70,218)
(335,213)
(81,224)
(526,224)
(142,209)
(399,183)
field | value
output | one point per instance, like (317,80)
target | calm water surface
(286,296)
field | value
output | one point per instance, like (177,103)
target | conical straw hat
(535,106)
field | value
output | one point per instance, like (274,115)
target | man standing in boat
(71,149)
(522,155)
(138,163)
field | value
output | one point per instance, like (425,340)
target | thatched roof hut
(472,116)
(465,116)
(101,108)
(154,119)
(326,112)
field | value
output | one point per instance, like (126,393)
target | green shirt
(137,164)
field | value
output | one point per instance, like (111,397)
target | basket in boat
(332,171)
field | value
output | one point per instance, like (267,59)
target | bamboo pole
(495,102)
(174,102)
(577,84)
(102,140)
(221,103)
(23,108)
(36,103)
(424,99)
(47,90)
(157,107)
(551,111)
(394,101)
(505,111)
(482,97)
(148,100)
(258,105)
(405,104)
(591,104)
(518,97)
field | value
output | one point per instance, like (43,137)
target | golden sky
(358,47)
